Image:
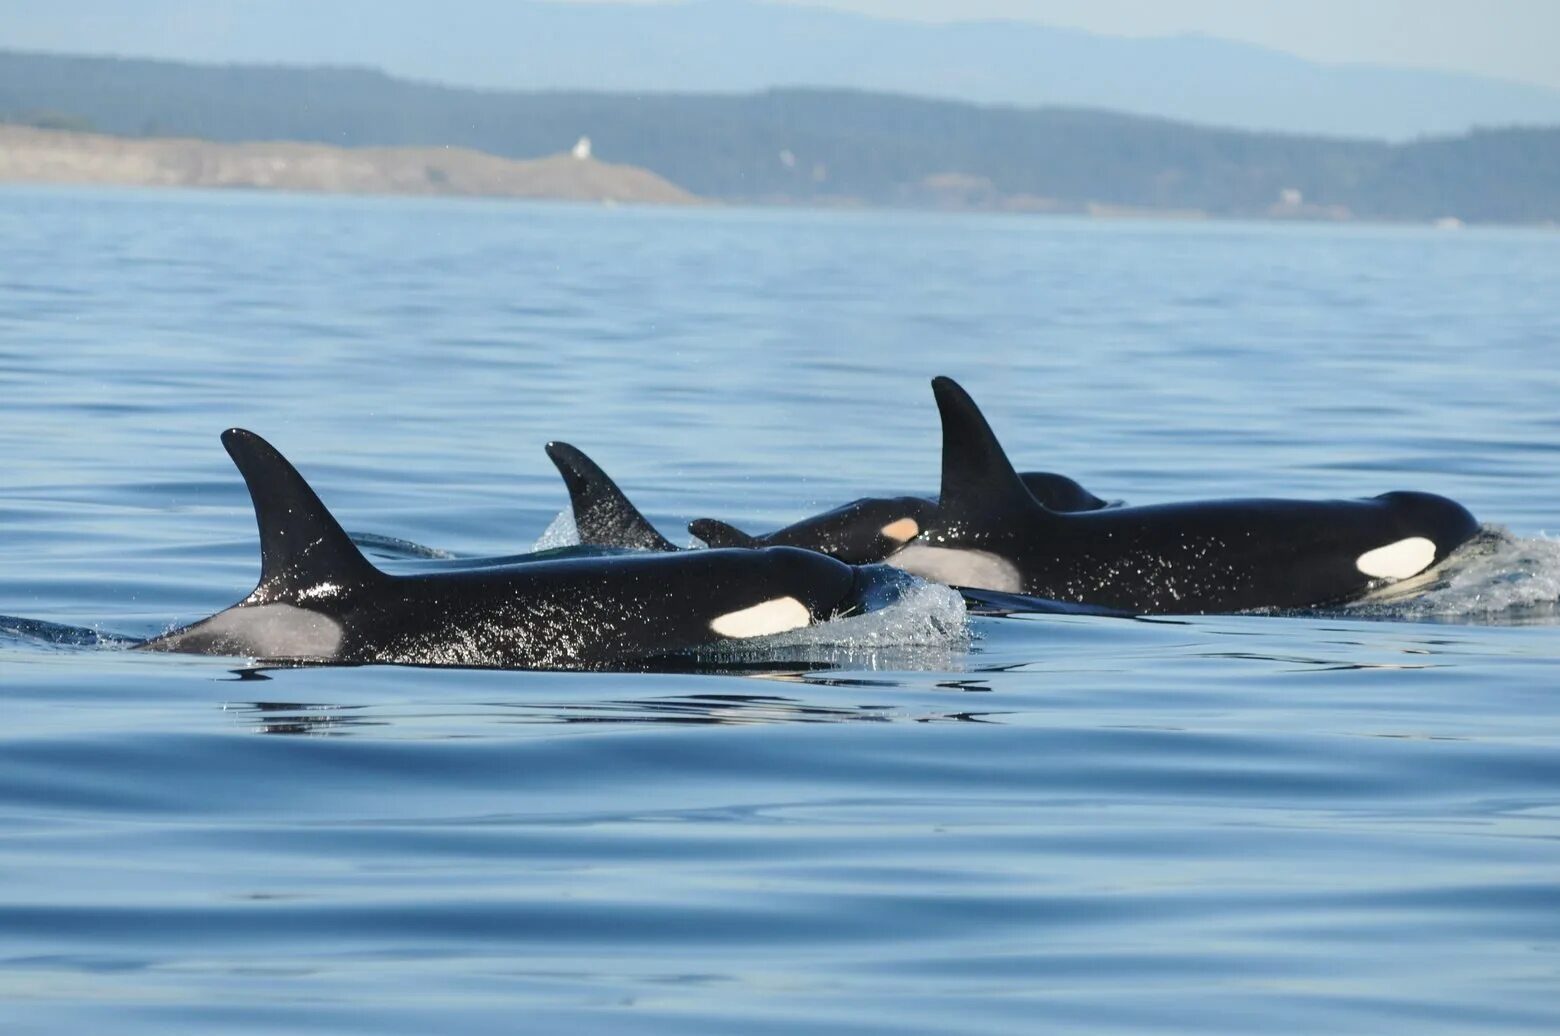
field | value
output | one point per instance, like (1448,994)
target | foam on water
(1495,579)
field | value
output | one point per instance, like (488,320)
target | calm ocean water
(1343,822)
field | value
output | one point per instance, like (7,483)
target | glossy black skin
(853,533)
(1060,493)
(1181,558)
(1212,556)
(576,613)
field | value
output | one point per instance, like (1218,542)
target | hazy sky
(1514,39)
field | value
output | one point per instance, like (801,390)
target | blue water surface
(1337,822)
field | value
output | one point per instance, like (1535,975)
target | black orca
(320,600)
(1181,558)
(874,528)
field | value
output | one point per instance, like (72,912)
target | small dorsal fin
(602,514)
(301,545)
(719,534)
(1058,492)
(978,480)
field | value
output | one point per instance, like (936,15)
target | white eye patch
(775,615)
(1398,560)
(902,530)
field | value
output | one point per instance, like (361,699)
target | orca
(1197,557)
(320,600)
(872,529)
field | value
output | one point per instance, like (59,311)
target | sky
(1512,39)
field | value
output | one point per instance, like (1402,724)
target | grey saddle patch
(266,631)
(960,567)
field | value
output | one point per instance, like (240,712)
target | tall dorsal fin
(602,514)
(978,480)
(301,545)
(719,534)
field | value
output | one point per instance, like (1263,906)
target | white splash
(1495,578)
(562,532)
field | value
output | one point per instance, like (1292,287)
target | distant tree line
(807,145)
(49,120)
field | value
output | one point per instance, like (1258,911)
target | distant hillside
(739,47)
(819,146)
(33,155)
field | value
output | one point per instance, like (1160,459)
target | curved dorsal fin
(1058,492)
(978,480)
(301,544)
(602,514)
(719,534)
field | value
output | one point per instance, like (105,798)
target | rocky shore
(29,155)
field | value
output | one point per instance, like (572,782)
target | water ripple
(919,823)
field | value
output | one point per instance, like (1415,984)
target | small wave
(394,548)
(1494,579)
(36,632)
(560,532)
